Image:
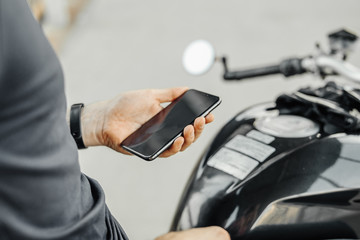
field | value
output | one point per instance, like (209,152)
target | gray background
(121,45)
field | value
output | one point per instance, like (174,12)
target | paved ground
(119,45)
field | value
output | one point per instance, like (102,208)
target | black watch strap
(75,124)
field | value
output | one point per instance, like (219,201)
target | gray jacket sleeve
(43,194)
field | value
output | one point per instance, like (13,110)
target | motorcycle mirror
(198,57)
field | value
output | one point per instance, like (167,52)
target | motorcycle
(287,169)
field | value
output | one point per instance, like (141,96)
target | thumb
(169,94)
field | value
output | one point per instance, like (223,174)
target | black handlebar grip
(291,66)
(256,72)
(287,67)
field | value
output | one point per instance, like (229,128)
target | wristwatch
(75,124)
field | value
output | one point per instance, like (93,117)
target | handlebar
(288,67)
(324,64)
(339,67)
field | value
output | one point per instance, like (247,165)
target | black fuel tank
(271,176)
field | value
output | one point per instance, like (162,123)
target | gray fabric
(43,194)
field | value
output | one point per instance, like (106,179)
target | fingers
(189,137)
(199,125)
(209,118)
(190,134)
(219,233)
(175,147)
(181,143)
(170,94)
(206,233)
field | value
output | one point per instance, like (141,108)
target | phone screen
(153,137)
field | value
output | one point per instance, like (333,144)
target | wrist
(92,122)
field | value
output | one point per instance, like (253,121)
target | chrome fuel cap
(287,126)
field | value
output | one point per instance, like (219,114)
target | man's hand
(109,122)
(208,233)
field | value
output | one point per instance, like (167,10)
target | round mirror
(198,57)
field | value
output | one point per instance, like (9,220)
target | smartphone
(157,134)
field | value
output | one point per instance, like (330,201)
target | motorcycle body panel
(260,186)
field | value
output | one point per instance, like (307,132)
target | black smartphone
(157,134)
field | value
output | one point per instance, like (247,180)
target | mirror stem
(224,61)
